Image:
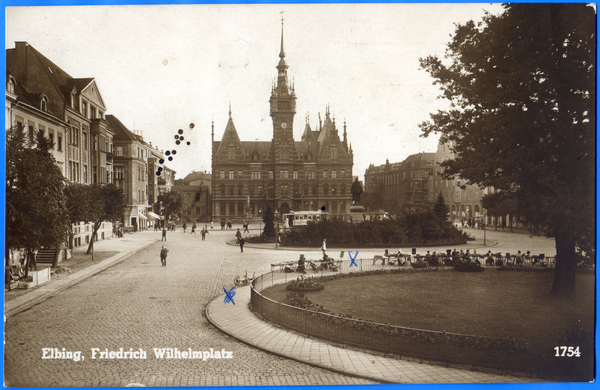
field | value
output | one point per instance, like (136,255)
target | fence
(492,352)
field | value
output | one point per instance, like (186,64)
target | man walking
(238,236)
(204,232)
(242,242)
(246,227)
(164,235)
(163,256)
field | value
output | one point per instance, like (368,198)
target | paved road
(138,304)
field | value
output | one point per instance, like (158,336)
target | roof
(120,130)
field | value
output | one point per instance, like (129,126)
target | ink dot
(181,138)
(161,161)
(177,142)
(188,142)
(170,158)
(192,125)
(180,131)
(174,152)
(160,169)
(158,173)
(176,136)
(168,153)
(323,208)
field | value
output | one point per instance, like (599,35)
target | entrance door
(285,208)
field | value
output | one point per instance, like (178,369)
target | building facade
(131,173)
(314,173)
(40,96)
(416,182)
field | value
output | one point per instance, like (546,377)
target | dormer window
(84,109)
(10,86)
(44,104)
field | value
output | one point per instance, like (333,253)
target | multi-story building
(416,182)
(196,185)
(43,97)
(131,155)
(311,174)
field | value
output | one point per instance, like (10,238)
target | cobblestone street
(138,304)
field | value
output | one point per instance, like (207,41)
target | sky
(160,68)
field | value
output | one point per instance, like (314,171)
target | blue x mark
(229,295)
(352,258)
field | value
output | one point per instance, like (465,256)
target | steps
(46,256)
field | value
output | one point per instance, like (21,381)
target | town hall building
(312,174)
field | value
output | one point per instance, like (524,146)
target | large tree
(522,118)
(96,203)
(440,208)
(36,212)
(174,203)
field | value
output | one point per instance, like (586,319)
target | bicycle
(243,281)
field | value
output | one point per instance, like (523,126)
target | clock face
(283,125)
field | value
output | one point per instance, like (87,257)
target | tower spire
(230,109)
(281,53)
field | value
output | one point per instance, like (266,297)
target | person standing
(184,227)
(204,232)
(238,236)
(194,229)
(324,246)
(164,235)
(242,242)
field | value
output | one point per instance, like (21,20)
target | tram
(301,218)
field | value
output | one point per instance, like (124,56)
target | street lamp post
(277,229)
(260,222)
(484,223)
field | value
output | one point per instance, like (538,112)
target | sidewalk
(240,323)
(106,254)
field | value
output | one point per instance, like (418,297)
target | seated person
(301,264)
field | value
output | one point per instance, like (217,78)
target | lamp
(277,229)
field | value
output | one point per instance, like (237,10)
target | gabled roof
(120,130)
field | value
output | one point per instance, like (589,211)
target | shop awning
(142,216)
(152,216)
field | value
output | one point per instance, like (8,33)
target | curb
(318,365)
(42,297)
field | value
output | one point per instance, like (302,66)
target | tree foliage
(36,212)
(174,204)
(440,208)
(268,219)
(96,203)
(522,117)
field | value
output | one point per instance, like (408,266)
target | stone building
(314,173)
(416,182)
(41,96)
(131,173)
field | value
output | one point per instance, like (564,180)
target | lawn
(491,303)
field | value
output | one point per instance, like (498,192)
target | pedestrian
(164,235)
(184,227)
(242,242)
(194,229)
(222,224)
(246,227)
(324,246)
(238,236)
(163,256)
(204,232)
(212,225)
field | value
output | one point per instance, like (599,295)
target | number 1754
(563,351)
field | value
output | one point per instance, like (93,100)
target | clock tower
(283,109)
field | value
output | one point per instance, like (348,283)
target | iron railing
(463,349)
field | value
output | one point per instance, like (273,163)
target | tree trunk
(564,272)
(91,246)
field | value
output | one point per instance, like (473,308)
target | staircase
(46,256)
